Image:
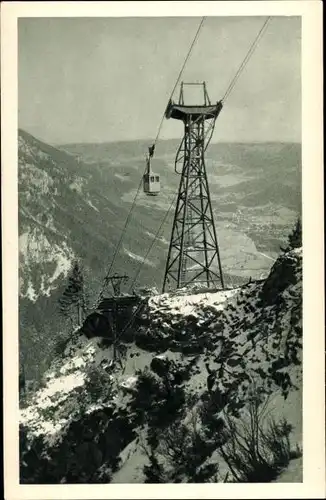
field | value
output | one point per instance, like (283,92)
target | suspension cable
(246,59)
(227,93)
(153,243)
(155,142)
(129,323)
(117,248)
(179,76)
(125,227)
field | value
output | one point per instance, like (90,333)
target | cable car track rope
(152,244)
(124,229)
(226,95)
(155,142)
(245,61)
(180,74)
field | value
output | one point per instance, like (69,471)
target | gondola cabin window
(151,184)
(151,181)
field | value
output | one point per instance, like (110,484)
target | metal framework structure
(193,255)
(116,281)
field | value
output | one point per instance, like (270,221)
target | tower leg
(193,255)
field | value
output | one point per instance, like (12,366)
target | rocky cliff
(190,371)
(74,201)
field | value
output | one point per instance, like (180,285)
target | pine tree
(294,238)
(22,381)
(72,303)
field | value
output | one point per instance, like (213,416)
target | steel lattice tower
(193,255)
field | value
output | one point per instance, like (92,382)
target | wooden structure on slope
(113,315)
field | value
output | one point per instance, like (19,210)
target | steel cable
(180,74)
(245,60)
(155,142)
(152,244)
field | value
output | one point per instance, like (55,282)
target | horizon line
(151,140)
(224,141)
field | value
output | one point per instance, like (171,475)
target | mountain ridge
(69,208)
(121,413)
(149,140)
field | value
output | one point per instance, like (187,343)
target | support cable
(226,95)
(152,244)
(246,59)
(155,142)
(125,227)
(179,76)
(105,281)
(158,134)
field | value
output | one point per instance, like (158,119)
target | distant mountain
(74,201)
(69,209)
(119,151)
(262,181)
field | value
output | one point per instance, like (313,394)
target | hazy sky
(108,79)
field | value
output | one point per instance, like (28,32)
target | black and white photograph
(160,227)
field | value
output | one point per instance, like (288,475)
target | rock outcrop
(195,359)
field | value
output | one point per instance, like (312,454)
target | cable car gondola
(151,181)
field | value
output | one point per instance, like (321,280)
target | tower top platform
(182,112)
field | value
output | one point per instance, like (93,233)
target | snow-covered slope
(54,261)
(74,202)
(67,210)
(194,361)
(45,255)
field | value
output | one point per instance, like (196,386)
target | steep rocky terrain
(74,200)
(194,366)
(68,209)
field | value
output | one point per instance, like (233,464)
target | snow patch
(30,293)
(121,177)
(160,238)
(63,264)
(187,304)
(77,185)
(133,460)
(138,258)
(63,385)
(129,383)
(36,253)
(92,206)
(47,399)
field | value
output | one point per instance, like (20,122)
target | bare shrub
(256,450)
(181,454)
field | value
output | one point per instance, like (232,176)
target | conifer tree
(294,238)
(22,381)
(72,303)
